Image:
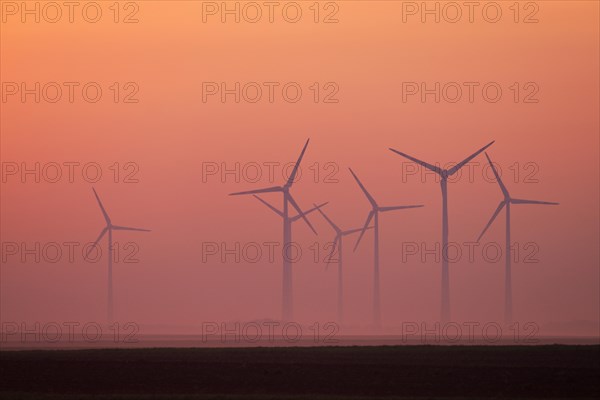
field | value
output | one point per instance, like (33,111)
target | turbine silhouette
(444,174)
(508,262)
(287,297)
(109,228)
(374,214)
(338,243)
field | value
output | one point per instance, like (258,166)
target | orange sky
(170,132)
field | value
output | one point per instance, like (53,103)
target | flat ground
(403,372)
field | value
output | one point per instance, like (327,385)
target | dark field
(404,372)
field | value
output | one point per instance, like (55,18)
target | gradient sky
(369,53)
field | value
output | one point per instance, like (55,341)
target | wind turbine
(337,242)
(109,228)
(444,174)
(287,297)
(507,271)
(374,214)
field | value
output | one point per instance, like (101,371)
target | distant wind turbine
(287,297)
(337,243)
(444,174)
(506,203)
(109,228)
(374,214)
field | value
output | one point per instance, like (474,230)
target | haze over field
(169,161)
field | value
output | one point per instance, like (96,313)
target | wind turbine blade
(500,207)
(336,239)
(422,163)
(316,207)
(351,231)
(369,197)
(269,205)
(502,187)
(299,211)
(521,201)
(365,227)
(102,233)
(126,228)
(256,191)
(466,160)
(106,217)
(334,226)
(295,170)
(384,209)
